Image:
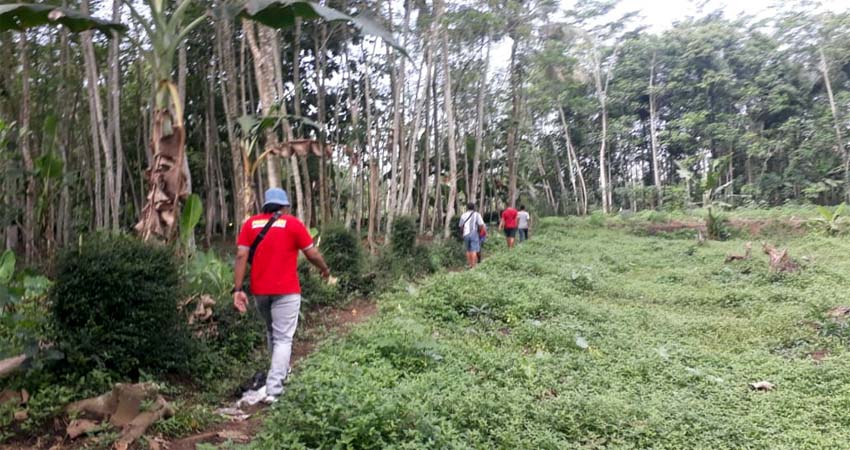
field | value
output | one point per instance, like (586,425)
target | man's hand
(240,301)
(326,273)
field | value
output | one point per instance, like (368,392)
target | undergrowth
(589,337)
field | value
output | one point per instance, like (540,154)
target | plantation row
(588,337)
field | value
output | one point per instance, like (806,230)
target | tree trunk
(303,203)
(100,140)
(26,152)
(450,123)
(581,192)
(653,133)
(425,167)
(839,139)
(228,81)
(115,118)
(512,127)
(320,47)
(261,44)
(438,154)
(479,125)
(373,164)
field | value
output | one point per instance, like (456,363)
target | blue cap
(276,196)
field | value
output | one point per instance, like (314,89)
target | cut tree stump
(780,260)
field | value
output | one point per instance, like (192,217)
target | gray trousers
(280,313)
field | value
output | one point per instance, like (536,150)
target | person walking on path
(523,223)
(270,243)
(470,225)
(509,225)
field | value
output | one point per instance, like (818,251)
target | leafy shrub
(343,253)
(206,273)
(391,267)
(717,226)
(447,253)
(403,239)
(597,219)
(114,306)
(314,290)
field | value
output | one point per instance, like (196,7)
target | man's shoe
(270,399)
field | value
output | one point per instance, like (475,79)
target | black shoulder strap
(262,234)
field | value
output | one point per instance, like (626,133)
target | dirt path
(318,325)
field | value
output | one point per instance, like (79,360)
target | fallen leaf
(21,415)
(762,386)
(25,396)
(819,355)
(79,427)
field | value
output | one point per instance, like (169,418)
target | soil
(317,325)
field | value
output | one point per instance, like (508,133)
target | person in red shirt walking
(270,243)
(509,224)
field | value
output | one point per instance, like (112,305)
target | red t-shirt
(509,217)
(274,271)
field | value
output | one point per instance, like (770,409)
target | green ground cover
(590,337)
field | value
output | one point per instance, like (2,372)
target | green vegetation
(113,307)
(590,337)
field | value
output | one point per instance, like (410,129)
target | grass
(589,337)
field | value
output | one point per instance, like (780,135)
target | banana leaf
(22,16)
(282,14)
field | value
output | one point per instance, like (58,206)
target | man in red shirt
(274,278)
(509,224)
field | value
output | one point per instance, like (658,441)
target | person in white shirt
(470,224)
(524,219)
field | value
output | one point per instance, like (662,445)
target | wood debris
(120,408)
(748,251)
(780,260)
(762,386)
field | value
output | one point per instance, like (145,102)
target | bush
(447,253)
(392,267)
(717,226)
(314,290)
(115,307)
(403,239)
(343,253)
(597,219)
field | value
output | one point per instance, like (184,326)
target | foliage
(206,273)
(597,219)
(190,217)
(403,239)
(717,226)
(187,419)
(314,290)
(831,222)
(20,16)
(343,253)
(515,355)
(114,307)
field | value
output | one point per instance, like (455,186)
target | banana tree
(166,32)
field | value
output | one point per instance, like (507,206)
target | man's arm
(316,259)
(240,299)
